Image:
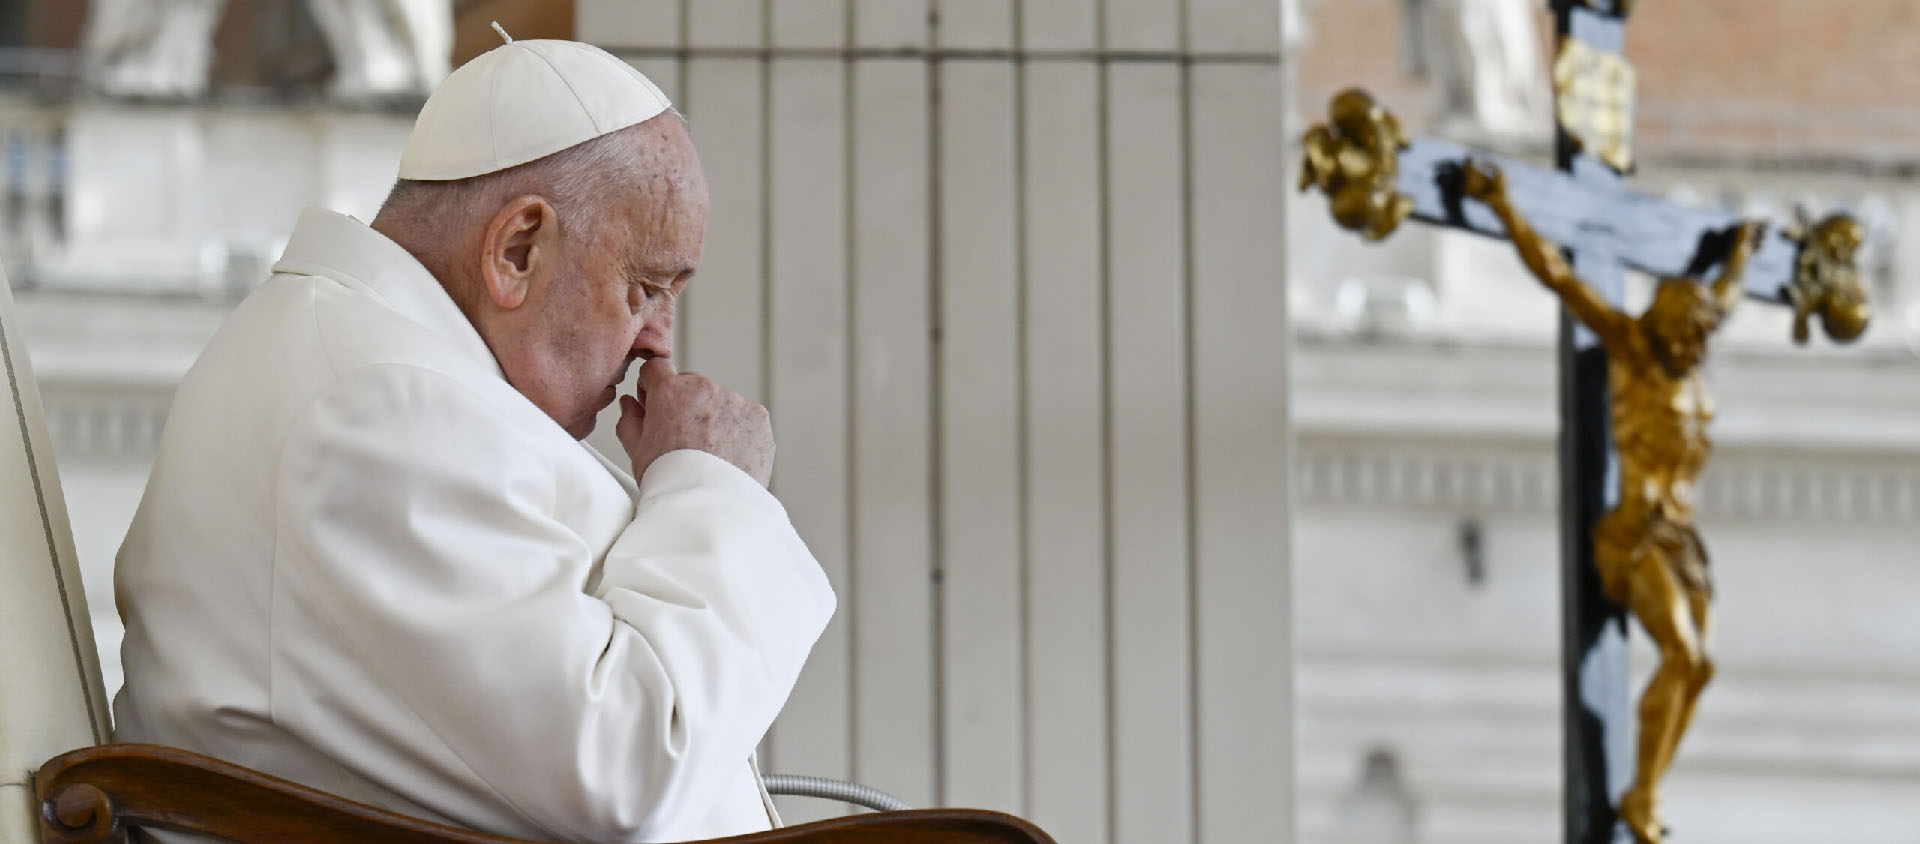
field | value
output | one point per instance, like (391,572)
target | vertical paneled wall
(1009,275)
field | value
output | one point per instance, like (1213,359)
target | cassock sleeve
(436,630)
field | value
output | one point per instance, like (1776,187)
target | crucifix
(1633,406)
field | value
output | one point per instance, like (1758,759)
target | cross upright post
(1596,687)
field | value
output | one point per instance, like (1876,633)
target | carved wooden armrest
(97,793)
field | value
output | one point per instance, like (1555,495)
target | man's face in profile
(610,301)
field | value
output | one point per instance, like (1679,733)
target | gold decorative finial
(1824,279)
(1354,160)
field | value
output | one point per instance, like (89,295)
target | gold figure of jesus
(1649,556)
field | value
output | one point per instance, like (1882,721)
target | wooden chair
(62,781)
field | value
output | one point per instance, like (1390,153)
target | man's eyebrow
(661,280)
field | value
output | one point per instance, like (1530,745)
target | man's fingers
(633,414)
(676,410)
(654,372)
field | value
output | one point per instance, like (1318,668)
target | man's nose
(655,339)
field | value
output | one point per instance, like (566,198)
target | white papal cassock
(366,563)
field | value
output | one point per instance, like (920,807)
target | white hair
(581,177)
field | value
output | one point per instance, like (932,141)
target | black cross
(1586,208)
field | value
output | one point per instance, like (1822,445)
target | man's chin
(586,423)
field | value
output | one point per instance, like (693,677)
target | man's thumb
(656,371)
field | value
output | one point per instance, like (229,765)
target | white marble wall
(1008,276)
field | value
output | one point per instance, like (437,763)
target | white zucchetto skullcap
(521,101)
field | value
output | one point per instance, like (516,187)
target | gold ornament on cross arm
(1824,280)
(1354,160)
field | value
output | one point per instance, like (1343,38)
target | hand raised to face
(676,410)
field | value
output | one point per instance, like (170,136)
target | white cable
(826,789)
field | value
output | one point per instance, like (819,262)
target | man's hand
(676,411)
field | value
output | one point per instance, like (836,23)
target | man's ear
(520,236)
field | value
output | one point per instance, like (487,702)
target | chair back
(51,696)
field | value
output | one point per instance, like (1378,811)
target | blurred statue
(163,48)
(1484,59)
(1649,556)
(150,48)
(386,47)
(1354,159)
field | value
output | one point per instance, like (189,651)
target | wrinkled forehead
(664,210)
(667,177)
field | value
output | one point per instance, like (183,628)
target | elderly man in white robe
(375,557)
